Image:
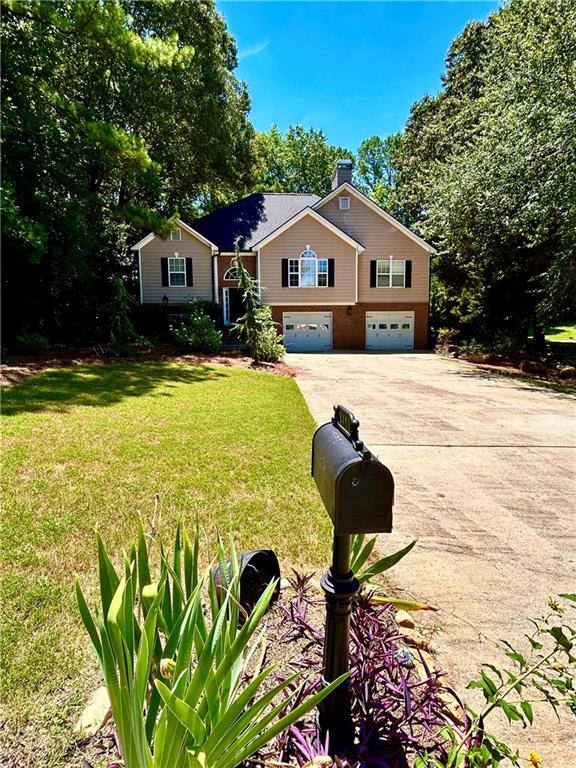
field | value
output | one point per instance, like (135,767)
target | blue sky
(350,68)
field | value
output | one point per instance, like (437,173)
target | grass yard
(561,332)
(91,446)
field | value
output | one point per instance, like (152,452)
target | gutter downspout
(215,278)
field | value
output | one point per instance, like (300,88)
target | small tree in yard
(124,339)
(256,327)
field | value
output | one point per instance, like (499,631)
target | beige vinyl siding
(380,239)
(326,245)
(151,270)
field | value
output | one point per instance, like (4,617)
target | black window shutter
(372,274)
(284,273)
(408,275)
(164,268)
(331,273)
(189,276)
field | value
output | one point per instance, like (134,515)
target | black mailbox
(356,488)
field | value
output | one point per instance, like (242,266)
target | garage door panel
(307,331)
(389,330)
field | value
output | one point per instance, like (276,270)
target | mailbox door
(331,453)
(364,499)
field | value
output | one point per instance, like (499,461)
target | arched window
(231,274)
(308,271)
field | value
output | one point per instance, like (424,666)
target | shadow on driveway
(519,383)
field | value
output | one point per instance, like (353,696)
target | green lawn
(92,446)
(561,332)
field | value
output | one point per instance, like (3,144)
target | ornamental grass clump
(178,662)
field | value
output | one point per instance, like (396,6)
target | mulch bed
(509,366)
(16,369)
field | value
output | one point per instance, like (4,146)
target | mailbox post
(358,493)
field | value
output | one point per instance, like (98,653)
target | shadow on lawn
(98,385)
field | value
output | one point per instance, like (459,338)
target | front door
(233,305)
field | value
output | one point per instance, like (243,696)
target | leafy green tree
(488,169)
(299,161)
(116,115)
(377,170)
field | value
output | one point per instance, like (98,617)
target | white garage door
(307,331)
(389,330)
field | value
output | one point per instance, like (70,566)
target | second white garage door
(389,330)
(307,331)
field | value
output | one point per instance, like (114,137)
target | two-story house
(339,272)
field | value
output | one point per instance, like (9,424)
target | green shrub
(197,332)
(32,343)
(505,344)
(474,346)
(267,344)
(447,336)
(209,308)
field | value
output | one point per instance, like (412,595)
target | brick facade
(348,331)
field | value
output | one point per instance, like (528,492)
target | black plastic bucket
(257,570)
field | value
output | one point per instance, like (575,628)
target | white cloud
(253,51)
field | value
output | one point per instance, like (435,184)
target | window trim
(389,274)
(344,203)
(227,273)
(226,306)
(295,269)
(176,257)
(176,239)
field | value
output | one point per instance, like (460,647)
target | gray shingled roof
(253,218)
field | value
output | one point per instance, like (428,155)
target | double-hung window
(176,271)
(390,273)
(175,234)
(308,271)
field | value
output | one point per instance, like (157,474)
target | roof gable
(318,217)
(186,227)
(252,218)
(346,187)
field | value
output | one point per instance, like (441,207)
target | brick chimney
(342,172)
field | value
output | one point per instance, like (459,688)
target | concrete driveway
(485,471)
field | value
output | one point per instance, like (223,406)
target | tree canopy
(377,171)
(301,160)
(117,115)
(488,169)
